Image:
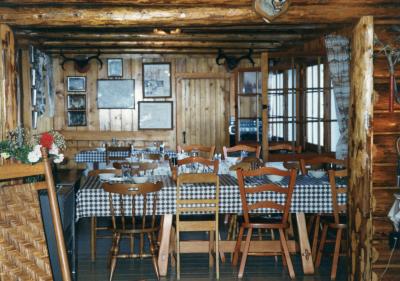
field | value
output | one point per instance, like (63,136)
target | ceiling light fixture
(270,9)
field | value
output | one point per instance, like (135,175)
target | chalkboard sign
(116,93)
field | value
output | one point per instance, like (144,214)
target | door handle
(184,137)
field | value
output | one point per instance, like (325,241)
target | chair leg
(245,253)
(286,253)
(321,246)
(115,249)
(315,237)
(237,246)
(310,223)
(178,256)
(153,255)
(290,231)
(211,249)
(336,254)
(93,225)
(141,245)
(217,238)
(273,238)
(221,253)
(172,246)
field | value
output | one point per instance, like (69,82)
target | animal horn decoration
(232,62)
(81,63)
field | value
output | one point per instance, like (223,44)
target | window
(303,113)
(315,104)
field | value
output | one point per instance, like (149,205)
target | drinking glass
(126,173)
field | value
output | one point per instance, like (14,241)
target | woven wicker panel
(23,249)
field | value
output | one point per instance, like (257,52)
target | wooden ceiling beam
(79,36)
(299,12)
(160,44)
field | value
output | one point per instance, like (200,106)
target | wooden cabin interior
(231,75)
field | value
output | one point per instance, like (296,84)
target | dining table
(311,195)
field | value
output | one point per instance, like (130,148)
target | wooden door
(202,110)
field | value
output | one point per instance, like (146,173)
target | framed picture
(156,80)
(76,102)
(76,84)
(114,68)
(76,118)
(116,93)
(155,115)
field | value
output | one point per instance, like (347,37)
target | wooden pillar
(264,99)
(360,199)
(8,97)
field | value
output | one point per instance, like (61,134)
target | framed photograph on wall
(75,102)
(114,67)
(76,118)
(116,94)
(156,80)
(76,83)
(155,115)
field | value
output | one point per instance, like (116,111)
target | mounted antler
(81,64)
(232,62)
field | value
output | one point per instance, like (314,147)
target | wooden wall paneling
(384,175)
(360,156)
(104,114)
(384,123)
(26,91)
(60,119)
(385,198)
(381,98)
(91,95)
(8,95)
(126,114)
(137,75)
(385,148)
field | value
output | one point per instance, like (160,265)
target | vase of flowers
(26,149)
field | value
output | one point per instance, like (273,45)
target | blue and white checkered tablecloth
(99,156)
(310,196)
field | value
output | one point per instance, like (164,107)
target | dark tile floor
(193,267)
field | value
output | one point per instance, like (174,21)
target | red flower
(46,140)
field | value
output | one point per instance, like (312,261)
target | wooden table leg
(305,249)
(164,245)
(93,224)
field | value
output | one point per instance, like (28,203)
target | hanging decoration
(392,55)
(270,9)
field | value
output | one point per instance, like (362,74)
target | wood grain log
(386,122)
(384,176)
(385,149)
(360,152)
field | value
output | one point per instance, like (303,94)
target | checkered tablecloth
(100,156)
(310,196)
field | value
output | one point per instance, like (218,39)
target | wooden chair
(94,229)
(208,204)
(319,162)
(119,195)
(24,254)
(336,225)
(208,166)
(284,146)
(117,153)
(248,224)
(242,147)
(207,150)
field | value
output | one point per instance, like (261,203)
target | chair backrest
(209,203)
(22,232)
(247,192)
(320,162)
(152,156)
(242,147)
(335,190)
(284,146)
(205,165)
(208,150)
(122,198)
(97,172)
(115,153)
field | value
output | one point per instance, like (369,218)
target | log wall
(8,97)
(104,124)
(386,131)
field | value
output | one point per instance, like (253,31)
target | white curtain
(338,53)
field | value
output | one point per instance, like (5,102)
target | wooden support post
(264,98)
(360,198)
